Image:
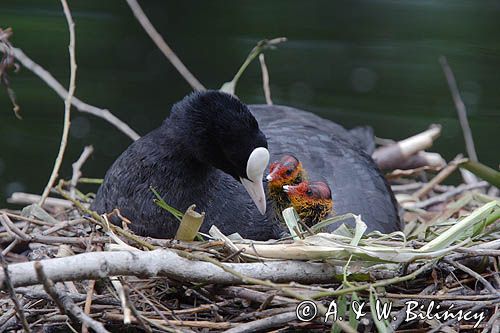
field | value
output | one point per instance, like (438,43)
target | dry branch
(65,303)
(77,167)
(394,155)
(81,106)
(12,293)
(21,198)
(67,103)
(265,79)
(460,106)
(468,177)
(164,262)
(163,46)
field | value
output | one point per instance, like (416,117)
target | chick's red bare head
(312,200)
(288,170)
(309,191)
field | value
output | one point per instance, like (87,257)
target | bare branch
(265,79)
(393,155)
(76,168)
(43,74)
(164,262)
(13,297)
(460,106)
(163,46)
(67,103)
(65,303)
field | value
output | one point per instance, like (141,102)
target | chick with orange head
(312,200)
(287,171)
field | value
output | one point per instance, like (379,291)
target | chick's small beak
(273,174)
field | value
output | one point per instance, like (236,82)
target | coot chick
(336,156)
(311,200)
(287,171)
(203,153)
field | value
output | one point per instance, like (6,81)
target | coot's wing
(330,153)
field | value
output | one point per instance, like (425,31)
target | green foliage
(161,203)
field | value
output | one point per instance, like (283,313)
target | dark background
(355,62)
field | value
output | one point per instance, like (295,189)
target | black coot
(210,150)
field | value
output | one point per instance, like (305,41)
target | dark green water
(355,62)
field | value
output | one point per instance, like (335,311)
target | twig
(491,322)
(133,311)
(16,241)
(21,198)
(439,328)
(163,46)
(81,106)
(476,275)
(76,168)
(265,79)
(265,324)
(442,175)
(230,87)
(88,303)
(13,297)
(67,102)
(65,303)
(12,229)
(36,294)
(460,106)
(191,323)
(450,194)
(50,288)
(126,310)
(381,283)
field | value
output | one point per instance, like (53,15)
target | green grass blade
(161,203)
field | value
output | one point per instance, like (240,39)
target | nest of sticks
(66,267)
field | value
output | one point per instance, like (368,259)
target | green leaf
(381,324)
(230,87)
(353,321)
(492,176)
(161,203)
(341,311)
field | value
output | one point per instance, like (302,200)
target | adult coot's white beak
(256,166)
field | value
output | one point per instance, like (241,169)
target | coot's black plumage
(201,151)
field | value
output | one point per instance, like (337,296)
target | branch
(76,168)
(12,293)
(460,106)
(46,77)
(67,103)
(163,46)
(64,302)
(230,87)
(265,79)
(393,155)
(164,262)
